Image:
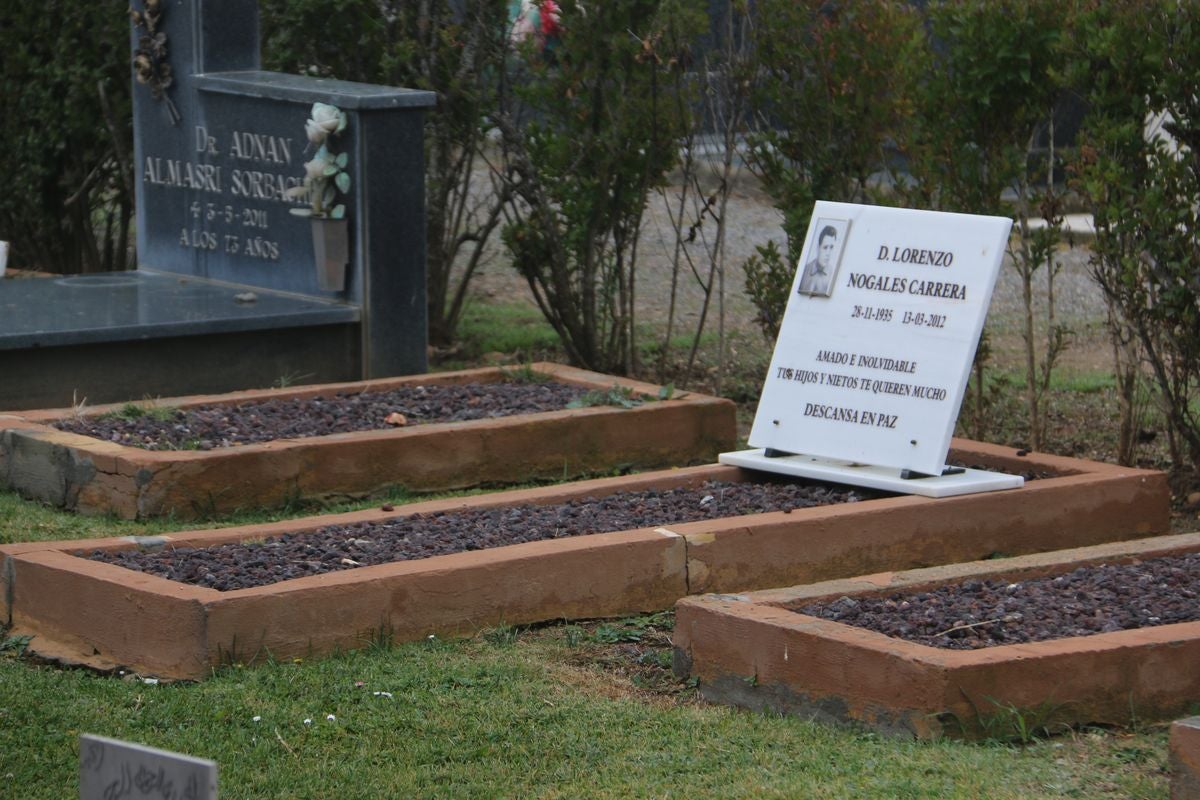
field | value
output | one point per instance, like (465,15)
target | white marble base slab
(888,479)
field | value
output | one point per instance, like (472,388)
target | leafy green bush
(834,86)
(988,68)
(768,283)
(449,47)
(64,77)
(833,89)
(992,75)
(586,134)
(1136,63)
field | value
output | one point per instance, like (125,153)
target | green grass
(572,710)
(132,411)
(1083,381)
(1087,382)
(520,329)
(562,711)
(506,328)
(26,521)
(515,714)
(649,339)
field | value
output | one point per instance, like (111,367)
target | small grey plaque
(110,769)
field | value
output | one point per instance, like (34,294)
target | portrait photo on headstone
(824,254)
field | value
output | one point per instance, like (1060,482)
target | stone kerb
(600,575)
(1185,759)
(96,477)
(749,650)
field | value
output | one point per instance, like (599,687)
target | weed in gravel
(621,396)
(289,379)
(524,373)
(78,405)
(147,410)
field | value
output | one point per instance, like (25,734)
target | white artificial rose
(316,134)
(316,168)
(324,120)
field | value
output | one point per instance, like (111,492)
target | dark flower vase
(331,251)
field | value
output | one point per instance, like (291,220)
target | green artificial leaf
(342,159)
(343,181)
(339,212)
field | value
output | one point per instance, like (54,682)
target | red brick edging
(749,650)
(1185,759)
(99,614)
(97,477)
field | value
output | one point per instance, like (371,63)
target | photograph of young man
(819,271)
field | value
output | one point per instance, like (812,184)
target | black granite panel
(58,377)
(158,135)
(220,211)
(346,95)
(50,312)
(394,313)
(213,161)
(228,32)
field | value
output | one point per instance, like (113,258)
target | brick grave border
(82,611)
(93,476)
(1184,748)
(749,650)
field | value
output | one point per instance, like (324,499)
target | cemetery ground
(563,710)
(581,709)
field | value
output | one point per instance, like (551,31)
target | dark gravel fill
(988,613)
(206,427)
(1030,474)
(339,547)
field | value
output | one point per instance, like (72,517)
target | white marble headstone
(881,326)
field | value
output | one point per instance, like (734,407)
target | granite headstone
(227,294)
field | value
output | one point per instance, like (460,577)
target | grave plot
(619,424)
(1133,602)
(88,611)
